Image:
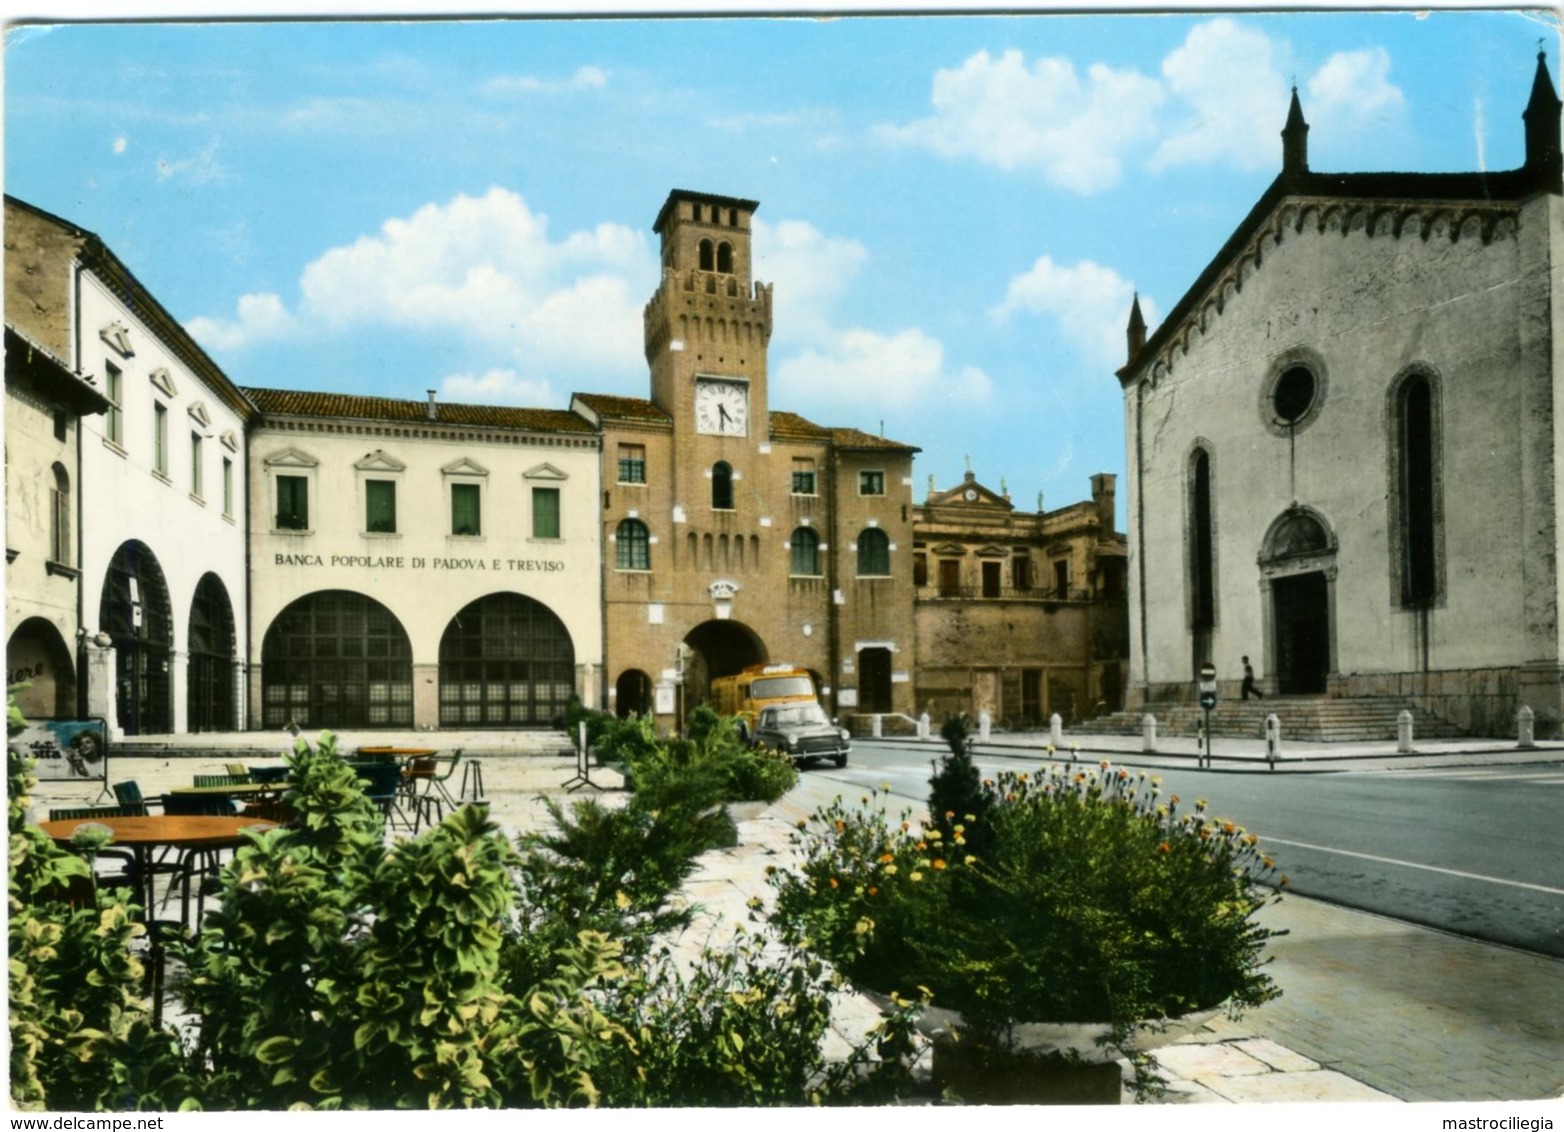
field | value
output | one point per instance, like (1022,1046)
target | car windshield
(775,687)
(795,715)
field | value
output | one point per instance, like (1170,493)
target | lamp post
(1207,702)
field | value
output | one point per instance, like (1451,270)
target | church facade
(735,533)
(1343,444)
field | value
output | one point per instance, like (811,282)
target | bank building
(1343,453)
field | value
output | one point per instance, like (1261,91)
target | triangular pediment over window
(992,552)
(117,335)
(199,414)
(291,458)
(164,381)
(545,472)
(230,440)
(949,548)
(378,461)
(465,467)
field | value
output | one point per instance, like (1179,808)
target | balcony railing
(1008,593)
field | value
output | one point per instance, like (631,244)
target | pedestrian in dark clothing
(1249,688)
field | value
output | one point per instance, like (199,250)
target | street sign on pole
(1207,702)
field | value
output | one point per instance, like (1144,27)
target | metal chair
(128,795)
(382,781)
(130,875)
(435,796)
(223,779)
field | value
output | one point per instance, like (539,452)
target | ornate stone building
(154,548)
(1019,613)
(735,533)
(1343,443)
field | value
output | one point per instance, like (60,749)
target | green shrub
(1094,902)
(81,1033)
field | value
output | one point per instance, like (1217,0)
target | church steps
(1312,718)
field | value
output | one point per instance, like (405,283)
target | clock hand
(722,411)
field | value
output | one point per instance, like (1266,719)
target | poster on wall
(75,749)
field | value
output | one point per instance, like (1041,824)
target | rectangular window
(380,507)
(545,512)
(1061,579)
(804,476)
(992,579)
(293,503)
(197,484)
(228,487)
(632,463)
(115,422)
(871,483)
(949,577)
(464,509)
(1021,572)
(160,439)
(60,521)
(920,569)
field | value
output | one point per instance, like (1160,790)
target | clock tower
(708,325)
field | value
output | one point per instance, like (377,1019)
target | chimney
(1103,497)
(433,411)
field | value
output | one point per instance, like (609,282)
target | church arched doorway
(134,610)
(1298,564)
(718,648)
(506,660)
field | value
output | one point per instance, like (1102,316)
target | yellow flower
(890,870)
(971,860)
(802,824)
(621,901)
(915,876)
(933,835)
(949,814)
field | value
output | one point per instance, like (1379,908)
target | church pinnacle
(1295,139)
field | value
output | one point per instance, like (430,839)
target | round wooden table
(141,835)
(396,752)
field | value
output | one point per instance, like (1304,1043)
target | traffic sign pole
(1207,701)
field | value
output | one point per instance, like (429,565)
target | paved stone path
(1372,1009)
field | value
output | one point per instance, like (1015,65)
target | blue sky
(955,210)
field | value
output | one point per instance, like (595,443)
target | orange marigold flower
(1010,797)
(874,890)
(939,862)
(1228,827)
(922,845)
(1174,800)
(1285,881)
(949,814)
(1267,862)
(1205,832)
(887,858)
(840,825)
(1164,847)
(834,884)
(1103,764)
(803,824)
(905,826)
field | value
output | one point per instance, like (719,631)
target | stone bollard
(1056,730)
(1148,734)
(985,725)
(1404,732)
(877,726)
(1526,726)
(923,726)
(1273,739)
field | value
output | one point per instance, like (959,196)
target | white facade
(1344,446)
(424,666)
(153,476)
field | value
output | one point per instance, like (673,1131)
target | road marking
(1413,865)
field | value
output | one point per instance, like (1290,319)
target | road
(1474,852)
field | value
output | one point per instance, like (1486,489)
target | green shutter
(380,506)
(464,509)
(545,512)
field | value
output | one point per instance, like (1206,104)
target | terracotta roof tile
(791,426)
(622,408)
(852,438)
(295,402)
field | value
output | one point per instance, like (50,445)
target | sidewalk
(1372,1009)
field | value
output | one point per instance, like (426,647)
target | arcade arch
(506,660)
(336,659)
(134,610)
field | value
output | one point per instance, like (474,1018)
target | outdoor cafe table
(397,752)
(141,835)
(237,790)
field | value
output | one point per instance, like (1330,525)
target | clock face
(722,408)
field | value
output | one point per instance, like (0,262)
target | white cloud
(1074,130)
(584,78)
(810,271)
(1232,98)
(482,270)
(201,169)
(1090,303)
(120,145)
(1352,89)
(261,318)
(863,369)
(497,387)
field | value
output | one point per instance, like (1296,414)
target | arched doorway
(506,660)
(1298,564)
(36,656)
(632,693)
(134,610)
(721,648)
(336,659)
(209,678)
